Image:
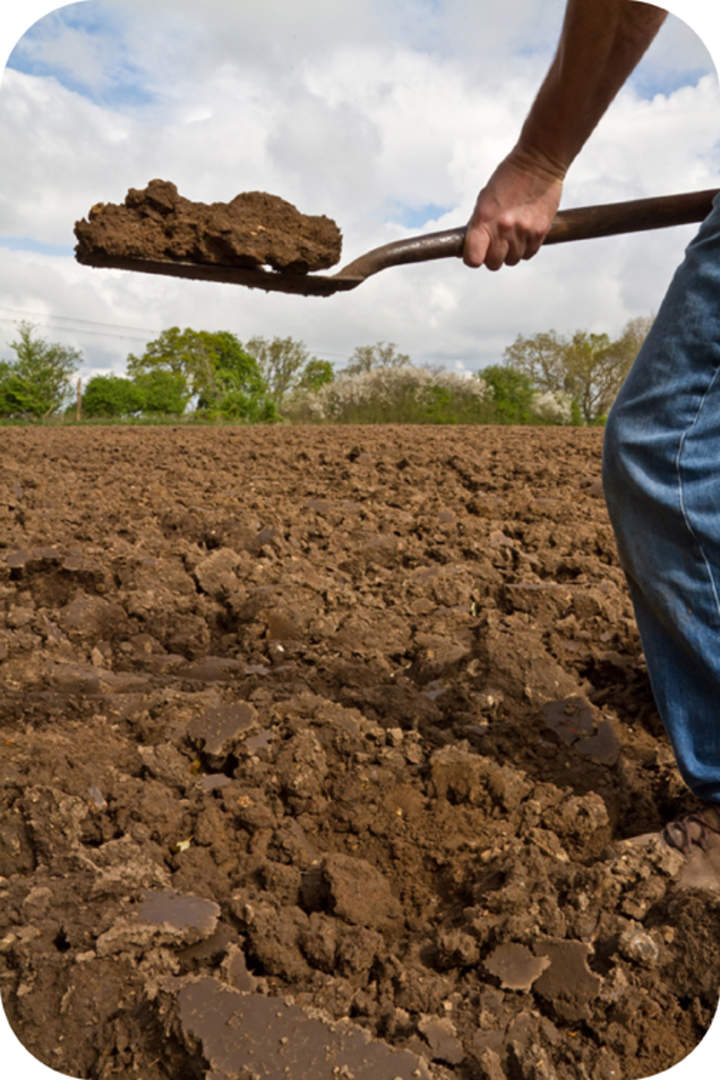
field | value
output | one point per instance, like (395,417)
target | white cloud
(72,52)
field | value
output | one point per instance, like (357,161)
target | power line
(82,331)
(78,319)
(108,328)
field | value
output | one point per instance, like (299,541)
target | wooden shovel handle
(610,219)
(580,223)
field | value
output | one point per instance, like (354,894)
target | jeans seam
(683,508)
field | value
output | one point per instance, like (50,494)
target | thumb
(477,242)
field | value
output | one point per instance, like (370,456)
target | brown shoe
(687,850)
(697,838)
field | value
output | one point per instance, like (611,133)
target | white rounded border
(702,16)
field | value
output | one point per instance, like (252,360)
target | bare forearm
(601,43)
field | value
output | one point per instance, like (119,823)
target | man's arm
(602,41)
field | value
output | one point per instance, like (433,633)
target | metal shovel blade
(580,223)
(269,280)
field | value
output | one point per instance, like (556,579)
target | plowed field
(317,746)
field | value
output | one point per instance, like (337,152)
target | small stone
(637,945)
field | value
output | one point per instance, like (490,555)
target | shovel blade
(252,277)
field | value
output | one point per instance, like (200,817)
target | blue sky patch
(115,81)
(415,217)
(648,86)
(27,243)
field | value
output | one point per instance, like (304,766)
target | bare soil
(317,749)
(253,229)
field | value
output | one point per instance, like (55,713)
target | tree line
(543,378)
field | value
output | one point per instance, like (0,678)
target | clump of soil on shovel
(252,229)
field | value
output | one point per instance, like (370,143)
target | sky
(387,115)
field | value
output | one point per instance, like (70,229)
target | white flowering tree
(552,407)
(388,394)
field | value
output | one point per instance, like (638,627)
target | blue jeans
(661,472)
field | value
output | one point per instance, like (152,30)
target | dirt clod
(253,229)
(235,1031)
(515,966)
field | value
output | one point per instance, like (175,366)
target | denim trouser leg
(661,471)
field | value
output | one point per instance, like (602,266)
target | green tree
(39,379)
(589,368)
(511,393)
(162,392)
(240,391)
(281,362)
(315,374)
(112,395)
(369,357)
(5,405)
(238,405)
(214,367)
(181,352)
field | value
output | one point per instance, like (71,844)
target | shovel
(580,223)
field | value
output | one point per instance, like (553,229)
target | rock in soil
(315,749)
(252,229)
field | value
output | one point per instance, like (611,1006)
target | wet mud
(318,750)
(253,229)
